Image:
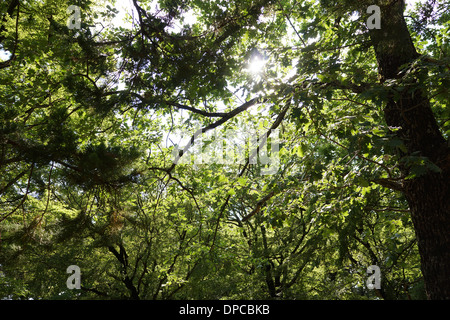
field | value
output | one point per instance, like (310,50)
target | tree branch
(259,205)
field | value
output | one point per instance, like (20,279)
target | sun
(256,65)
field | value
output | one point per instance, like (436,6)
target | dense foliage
(91,120)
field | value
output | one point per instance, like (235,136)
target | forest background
(117,134)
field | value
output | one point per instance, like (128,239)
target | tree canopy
(251,149)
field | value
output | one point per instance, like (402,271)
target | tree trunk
(428,195)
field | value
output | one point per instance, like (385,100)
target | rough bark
(428,195)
